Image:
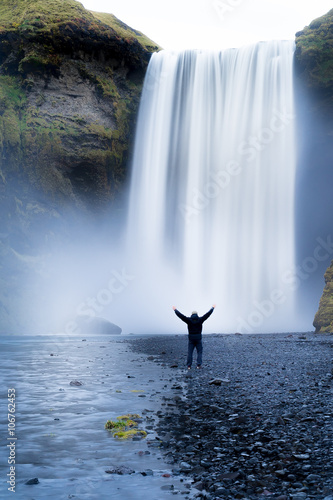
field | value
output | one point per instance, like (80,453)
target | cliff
(323,321)
(314,62)
(70,84)
(314,80)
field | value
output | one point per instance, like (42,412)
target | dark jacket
(194,323)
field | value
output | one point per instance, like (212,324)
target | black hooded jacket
(194,323)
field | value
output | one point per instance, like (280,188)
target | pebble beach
(256,421)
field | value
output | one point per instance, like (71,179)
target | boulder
(96,326)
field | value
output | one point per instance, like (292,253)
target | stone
(215,381)
(147,472)
(120,470)
(33,481)
(185,467)
(303,456)
(75,383)
(168,487)
(96,326)
(229,475)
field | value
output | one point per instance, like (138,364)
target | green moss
(314,52)
(129,434)
(125,31)
(323,321)
(11,93)
(38,16)
(123,427)
(114,426)
(37,13)
(129,416)
(11,129)
(12,102)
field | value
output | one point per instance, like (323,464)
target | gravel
(255,421)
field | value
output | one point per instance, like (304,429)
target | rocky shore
(255,421)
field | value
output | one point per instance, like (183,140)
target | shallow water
(60,432)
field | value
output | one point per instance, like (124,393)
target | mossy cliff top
(323,321)
(314,55)
(68,23)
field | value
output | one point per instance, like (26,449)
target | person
(194,326)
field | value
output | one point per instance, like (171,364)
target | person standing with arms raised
(194,325)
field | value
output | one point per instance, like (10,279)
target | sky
(218,24)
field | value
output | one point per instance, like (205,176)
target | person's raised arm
(206,316)
(180,315)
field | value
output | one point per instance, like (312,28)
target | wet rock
(215,381)
(168,487)
(147,472)
(303,456)
(75,383)
(313,478)
(185,467)
(232,476)
(121,470)
(199,485)
(33,481)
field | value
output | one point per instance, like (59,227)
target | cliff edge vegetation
(314,59)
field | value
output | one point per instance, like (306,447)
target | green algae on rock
(125,427)
(323,321)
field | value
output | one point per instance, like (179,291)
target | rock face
(69,90)
(323,321)
(314,80)
(70,84)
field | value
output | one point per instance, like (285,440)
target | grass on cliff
(19,12)
(42,15)
(125,31)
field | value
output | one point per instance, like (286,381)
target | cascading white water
(211,215)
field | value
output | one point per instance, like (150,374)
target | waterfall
(211,209)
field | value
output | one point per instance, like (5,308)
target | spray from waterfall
(211,211)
